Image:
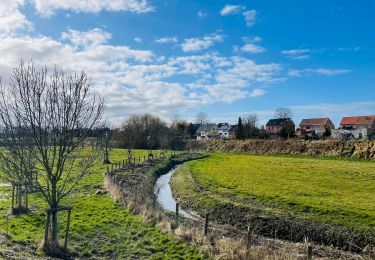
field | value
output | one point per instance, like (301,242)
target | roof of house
(224,127)
(358,120)
(206,128)
(279,121)
(222,124)
(314,121)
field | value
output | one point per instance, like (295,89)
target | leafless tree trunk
(283,112)
(17,162)
(58,111)
(201,118)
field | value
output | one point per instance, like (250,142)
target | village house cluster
(356,127)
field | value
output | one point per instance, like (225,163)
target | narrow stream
(164,195)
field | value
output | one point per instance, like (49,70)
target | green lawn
(99,227)
(336,191)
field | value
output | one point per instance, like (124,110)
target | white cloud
(198,44)
(294,73)
(294,52)
(230,9)
(137,81)
(167,40)
(138,39)
(238,80)
(253,39)
(298,54)
(132,80)
(331,72)
(11,19)
(48,7)
(85,39)
(257,92)
(250,17)
(252,48)
(355,49)
(201,14)
(319,71)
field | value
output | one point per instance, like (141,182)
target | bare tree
(251,119)
(144,131)
(59,111)
(18,164)
(283,112)
(175,118)
(201,118)
(250,122)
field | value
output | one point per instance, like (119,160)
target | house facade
(207,131)
(316,126)
(276,126)
(355,127)
(357,122)
(223,130)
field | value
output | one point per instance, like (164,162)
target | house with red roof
(356,127)
(316,126)
(357,122)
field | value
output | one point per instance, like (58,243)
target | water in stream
(164,195)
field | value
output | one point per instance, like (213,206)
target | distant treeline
(150,132)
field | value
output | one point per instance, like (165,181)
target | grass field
(335,191)
(99,227)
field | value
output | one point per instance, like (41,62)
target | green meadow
(335,191)
(100,228)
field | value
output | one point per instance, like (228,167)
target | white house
(223,130)
(207,131)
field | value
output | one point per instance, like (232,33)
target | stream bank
(133,187)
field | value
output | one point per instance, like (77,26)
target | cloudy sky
(225,58)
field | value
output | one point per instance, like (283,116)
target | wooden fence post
(206,224)
(177,210)
(309,252)
(111,167)
(144,158)
(107,168)
(67,231)
(249,239)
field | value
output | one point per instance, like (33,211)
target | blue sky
(225,58)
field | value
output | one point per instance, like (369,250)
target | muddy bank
(335,148)
(165,199)
(134,185)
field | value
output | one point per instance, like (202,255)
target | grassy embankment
(333,191)
(99,227)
